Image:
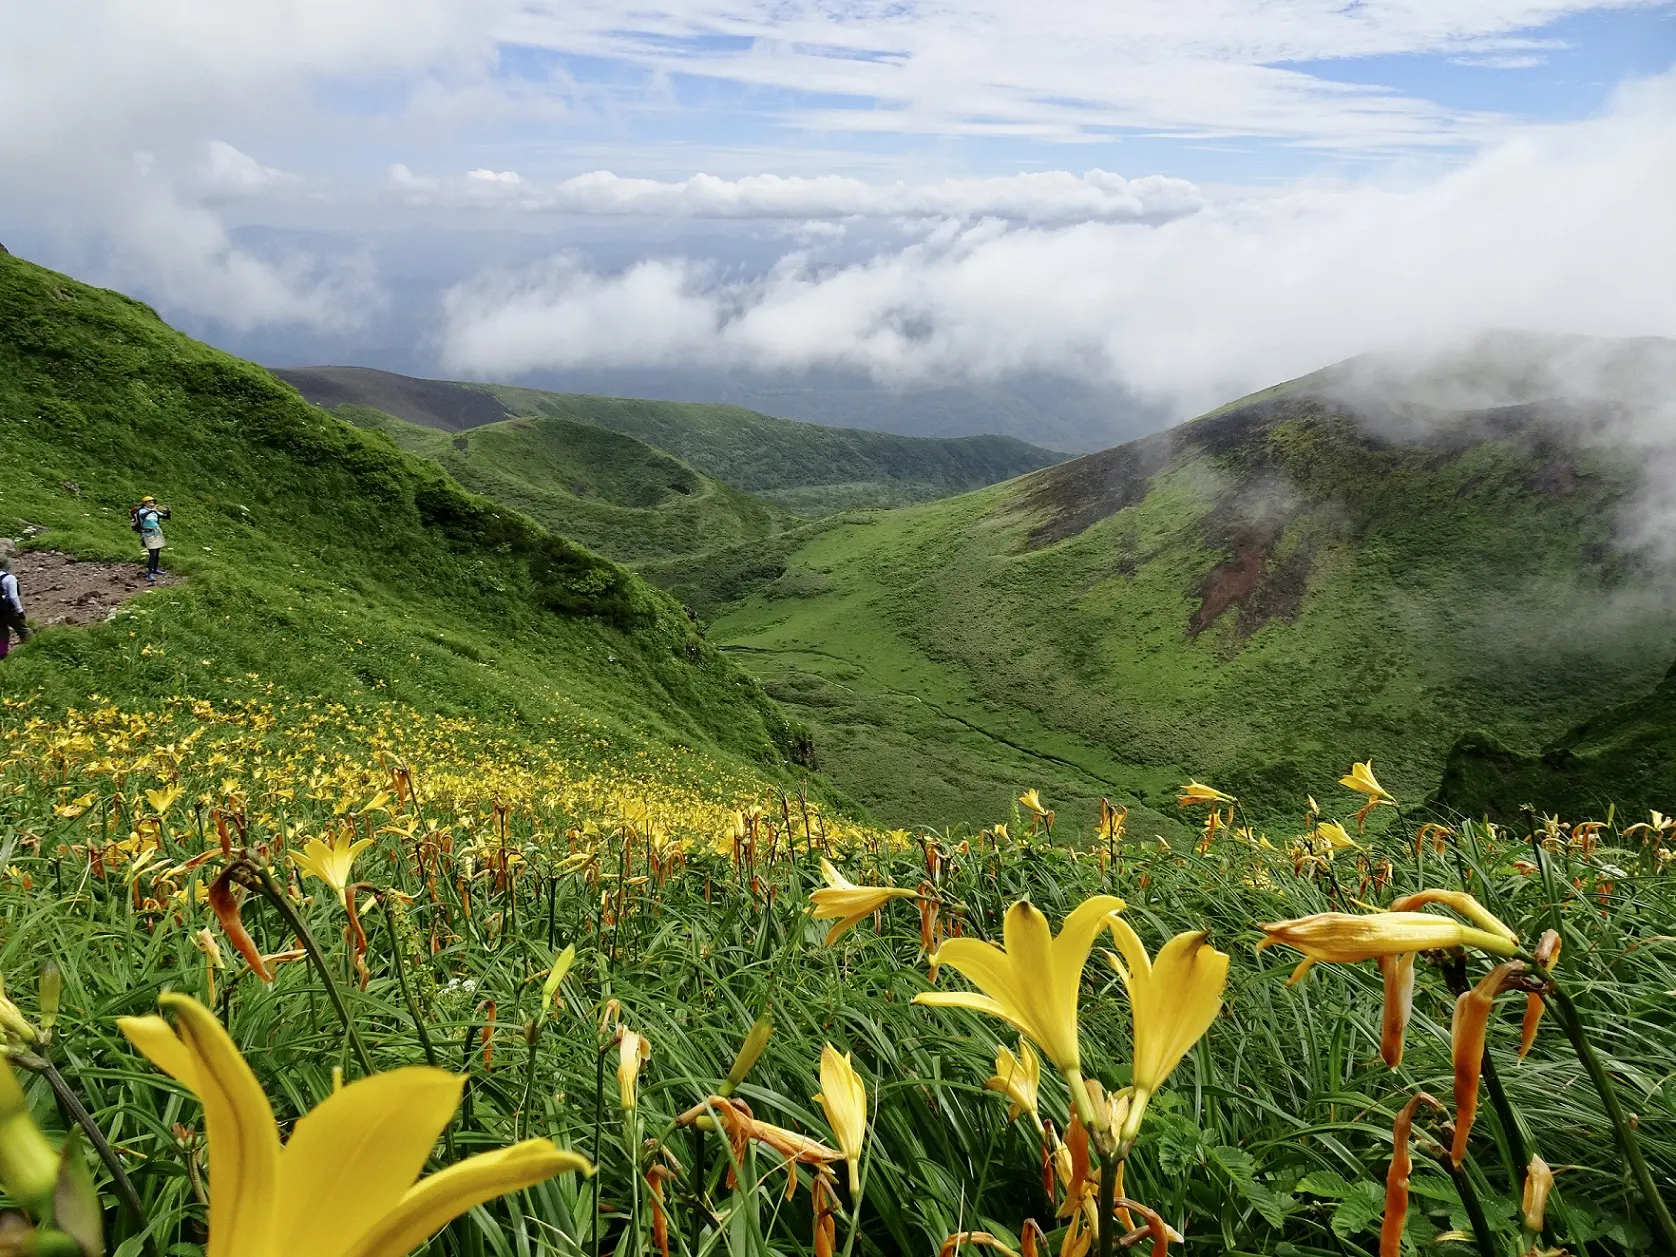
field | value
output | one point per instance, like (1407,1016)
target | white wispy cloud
(1047,196)
(1076,69)
(1559,228)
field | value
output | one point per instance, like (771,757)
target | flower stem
(77,1112)
(1108,1204)
(1628,1144)
(266,884)
(407,992)
(1482,1235)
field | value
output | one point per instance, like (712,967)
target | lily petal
(431,1205)
(384,1127)
(239,1127)
(157,1041)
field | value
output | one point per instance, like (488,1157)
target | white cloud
(1075,69)
(1561,228)
(1050,196)
(228,172)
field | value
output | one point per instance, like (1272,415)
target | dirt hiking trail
(59,589)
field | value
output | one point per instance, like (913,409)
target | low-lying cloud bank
(1557,229)
(1054,196)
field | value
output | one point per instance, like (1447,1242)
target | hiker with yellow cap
(148,520)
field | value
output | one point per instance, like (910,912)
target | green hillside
(1256,598)
(320,559)
(803,467)
(1623,758)
(613,493)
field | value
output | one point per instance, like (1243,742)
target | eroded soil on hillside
(59,589)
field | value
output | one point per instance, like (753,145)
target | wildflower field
(515,998)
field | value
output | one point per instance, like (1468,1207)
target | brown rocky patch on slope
(59,589)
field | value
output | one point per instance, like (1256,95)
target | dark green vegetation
(1623,758)
(321,559)
(1255,598)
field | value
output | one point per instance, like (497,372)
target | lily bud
(632,1052)
(755,1041)
(1344,938)
(555,975)
(52,991)
(1547,954)
(28,1165)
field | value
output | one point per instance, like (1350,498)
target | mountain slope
(320,559)
(802,467)
(1256,598)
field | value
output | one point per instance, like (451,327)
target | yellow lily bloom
(1172,1002)
(1033,803)
(843,1097)
(162,800)
(1196,792)
(332,863)
(1335,836)
(344,1186)
(842,900)
(1034,982)
(1019,1078)
(1344,938)
(1361,779)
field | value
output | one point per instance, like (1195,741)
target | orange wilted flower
(1398,972)
(824,1202)
(978,1239)
(1539,1181)
(226,907)
(1396,1179)
(656,1173)
(1466,1046)
(1547,953)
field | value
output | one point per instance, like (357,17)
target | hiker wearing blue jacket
(148,522)
(11,609)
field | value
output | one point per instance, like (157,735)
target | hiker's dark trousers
(152,559)
(11,622)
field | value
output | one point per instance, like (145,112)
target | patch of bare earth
(59,589)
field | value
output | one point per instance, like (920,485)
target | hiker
(148,520)
(11,609)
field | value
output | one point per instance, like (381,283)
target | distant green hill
(1624,757)
(321,559)
(1256,598)
(804,468)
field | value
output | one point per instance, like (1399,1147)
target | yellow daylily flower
(162,800)
(1019,1078)
(1197,792)
(344,1186)
(1361,779)
(1033,803)
(1172,1001)
(1335,836)
(842,900)
(1034,982)
(332,863)
(843,1097)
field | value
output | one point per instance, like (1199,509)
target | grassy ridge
(803,467)
(321,559)
(613,493)
(1260,596)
